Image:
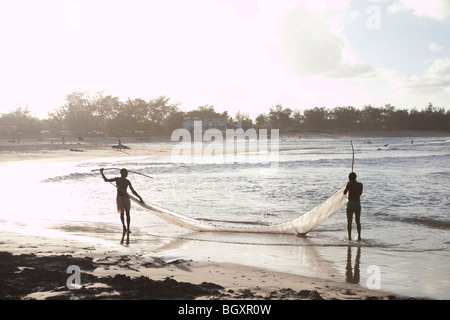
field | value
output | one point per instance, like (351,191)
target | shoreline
(35,266)
(52,149)
(95,148)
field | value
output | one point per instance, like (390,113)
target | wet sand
(36,267)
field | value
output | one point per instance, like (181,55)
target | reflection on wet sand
(284,253)
(352,275)
(123,238)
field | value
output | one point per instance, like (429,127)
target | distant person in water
(123,200)
(354,190)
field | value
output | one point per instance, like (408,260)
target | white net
(301,225)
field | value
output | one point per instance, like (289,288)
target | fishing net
(301,225)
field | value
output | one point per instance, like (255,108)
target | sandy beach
(36,266)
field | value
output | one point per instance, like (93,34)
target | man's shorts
(123,204)
(353,206)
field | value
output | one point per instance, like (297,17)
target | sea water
(405,209)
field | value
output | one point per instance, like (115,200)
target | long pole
(120,169)
(93,170)
(353,155)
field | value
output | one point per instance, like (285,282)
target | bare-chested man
(354,190)
(123,200)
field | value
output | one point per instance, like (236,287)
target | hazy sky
(245,55)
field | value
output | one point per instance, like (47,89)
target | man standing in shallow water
(123,200)
(354,190)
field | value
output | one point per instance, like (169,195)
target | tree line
(351,119)
(82,114)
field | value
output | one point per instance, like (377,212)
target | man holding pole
(354,190)
(123,200)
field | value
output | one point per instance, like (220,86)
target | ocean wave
(423,221)
(433,223)
(71,176)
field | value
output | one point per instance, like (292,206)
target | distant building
(8,130)
(213,123)
(237,125)
(189,124)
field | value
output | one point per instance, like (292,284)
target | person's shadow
(352,275)
(127,240)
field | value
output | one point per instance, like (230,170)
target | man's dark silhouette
(352,275)
(354,190)
(123,200)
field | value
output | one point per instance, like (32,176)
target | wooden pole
(353,155)
(93,170)
(121,169)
